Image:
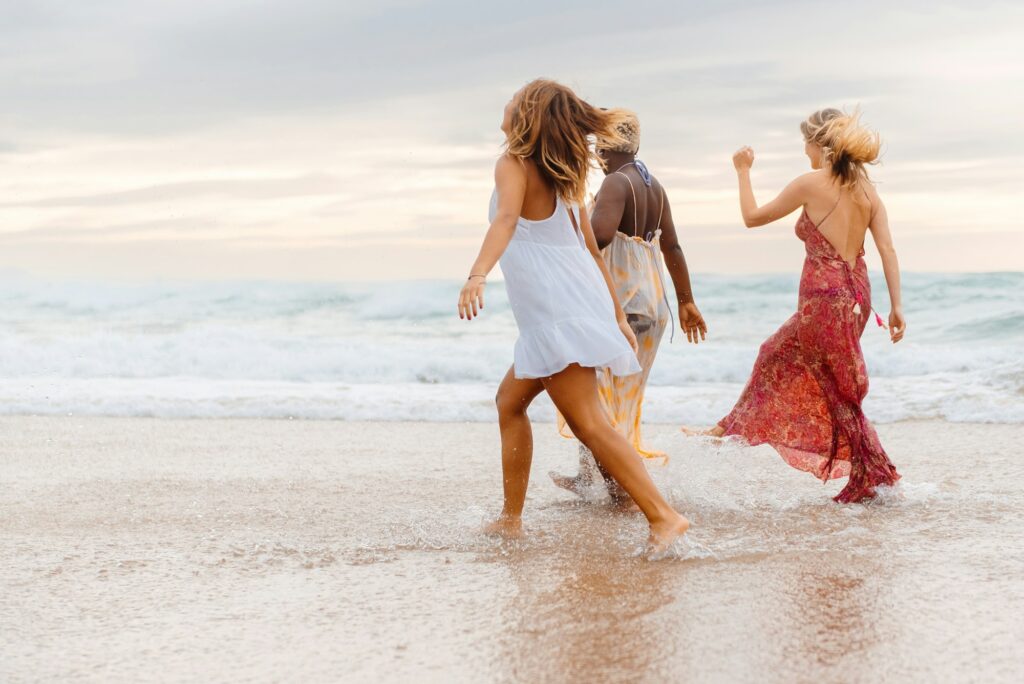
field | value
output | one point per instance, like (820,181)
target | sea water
(398,350)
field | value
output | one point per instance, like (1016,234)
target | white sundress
(560,300)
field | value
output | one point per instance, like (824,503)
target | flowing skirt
(805,394)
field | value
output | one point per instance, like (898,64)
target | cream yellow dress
(635,265)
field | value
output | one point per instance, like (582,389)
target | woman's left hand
(629,334)
(471,299)
(692,323)
(897,325)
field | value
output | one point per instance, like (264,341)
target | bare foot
(716,431)
(663,534)
(576,485)
(506,527)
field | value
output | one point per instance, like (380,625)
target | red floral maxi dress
(805,393)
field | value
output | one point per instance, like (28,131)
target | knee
(509,404)
(590,429)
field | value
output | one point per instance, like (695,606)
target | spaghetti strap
(574,221)
(636,224)
(661,210)
(871,216)
(838,200)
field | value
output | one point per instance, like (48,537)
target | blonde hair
(553,127)
(846,145)
(629,129)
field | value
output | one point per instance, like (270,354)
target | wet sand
(249,550)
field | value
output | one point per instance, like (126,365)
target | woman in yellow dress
(632,221)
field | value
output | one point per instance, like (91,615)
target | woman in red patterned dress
(805,394)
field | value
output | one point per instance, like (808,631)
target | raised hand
(743,159)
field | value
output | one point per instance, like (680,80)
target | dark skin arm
(609,207)
(690,318)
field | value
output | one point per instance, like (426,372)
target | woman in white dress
(561,295)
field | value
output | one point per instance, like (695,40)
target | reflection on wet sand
(276,550)
(584,616)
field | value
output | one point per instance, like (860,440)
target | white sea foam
(399,352)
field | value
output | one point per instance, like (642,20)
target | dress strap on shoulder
(661,210)
(573,220)
(636,226)
(871,216)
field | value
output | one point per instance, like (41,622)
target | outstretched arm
(591,242)
(510,179)
(792,197)
(882,237)
(690,318)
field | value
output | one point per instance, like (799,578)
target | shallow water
(143,549)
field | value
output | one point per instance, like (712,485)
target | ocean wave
(697,404)
(250,348)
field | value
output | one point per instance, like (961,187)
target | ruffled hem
(542,352)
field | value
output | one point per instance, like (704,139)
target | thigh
(517,393)
(574,392)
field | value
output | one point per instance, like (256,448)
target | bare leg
(514,396)
(583,480)
(648,334)
(581,483)
(618,495)
(574,391)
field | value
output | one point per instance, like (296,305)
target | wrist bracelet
(476,275)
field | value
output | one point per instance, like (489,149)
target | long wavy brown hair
(553,127)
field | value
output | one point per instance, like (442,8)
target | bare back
(644,204)
(539,202)
(842,216)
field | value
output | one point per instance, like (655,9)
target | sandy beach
(272,550)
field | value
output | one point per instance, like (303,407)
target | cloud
(238,188)
(314,122)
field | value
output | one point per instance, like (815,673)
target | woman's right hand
(628,333)
(471,298)
(897,325)
(743,159)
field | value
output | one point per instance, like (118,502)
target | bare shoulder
(813,179)
(814,186)
(509,167)
(614,182)
(658,187)
(871,191)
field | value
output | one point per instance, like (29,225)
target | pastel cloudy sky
(344,140)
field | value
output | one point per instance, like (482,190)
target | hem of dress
(802,459)
(614,365)
(544,350)
(799,458)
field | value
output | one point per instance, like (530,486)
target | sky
(327,140)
